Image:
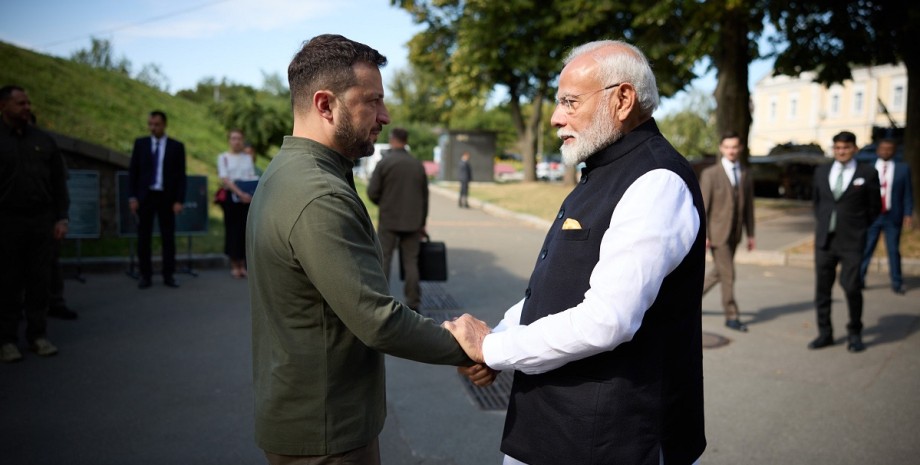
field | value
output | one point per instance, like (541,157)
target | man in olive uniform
(322,315)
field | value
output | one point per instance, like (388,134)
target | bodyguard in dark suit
(156,188)
(846,201)
(399,186)
(897,209)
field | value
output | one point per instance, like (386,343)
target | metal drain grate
(436,297)
(494,396)
(714,341)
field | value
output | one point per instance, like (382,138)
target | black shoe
(900,290)
(737,325)
(170,282)
(855,343)
(62,313)
(821,342)
(143,283)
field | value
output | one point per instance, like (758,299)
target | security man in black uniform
(33,214)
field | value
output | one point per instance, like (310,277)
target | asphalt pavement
(163,376)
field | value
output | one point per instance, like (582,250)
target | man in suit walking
(897,209)
(846,200)
(464,175)
(399,187)
(728,193)
(156,188)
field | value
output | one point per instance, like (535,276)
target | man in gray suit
(728,192)
(399,186)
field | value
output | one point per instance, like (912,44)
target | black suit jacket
(173,170)
(856,208)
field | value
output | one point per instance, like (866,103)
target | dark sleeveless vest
(645,397)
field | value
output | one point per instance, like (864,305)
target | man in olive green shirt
(322,316)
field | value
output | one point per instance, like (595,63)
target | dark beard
(352,144)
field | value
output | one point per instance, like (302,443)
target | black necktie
(154,159)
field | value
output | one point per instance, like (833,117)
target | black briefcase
(432,262)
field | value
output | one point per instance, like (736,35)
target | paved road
(163,376)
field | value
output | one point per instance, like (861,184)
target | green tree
(690,129)
(101,55)
(151,75)
(475,46)
(263,115)
(726,32)
(830,37)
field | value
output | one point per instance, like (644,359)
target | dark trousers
(826,261)
(56,283)
(723,273)
(25,271)
(235,214)
(408,243)
(156,205)
(464,194)
(892,228)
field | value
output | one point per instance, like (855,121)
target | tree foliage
(263,116)
(153,76)
(689,129)
(101,55)
(725,32)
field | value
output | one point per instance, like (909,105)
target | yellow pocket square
(571,223)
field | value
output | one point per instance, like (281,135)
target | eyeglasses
(569,102)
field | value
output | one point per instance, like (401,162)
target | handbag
(432,261)
(220,196)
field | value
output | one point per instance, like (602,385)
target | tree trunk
(526,141)
(731,59)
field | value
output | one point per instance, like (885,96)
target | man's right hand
(132,204)
(479,374)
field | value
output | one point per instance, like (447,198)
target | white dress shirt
(160,145)
(730,168)
(651,230)
(885,181)
(848,171)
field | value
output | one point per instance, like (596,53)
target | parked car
(785,175)
(788,175)
(506,172)
(550,168)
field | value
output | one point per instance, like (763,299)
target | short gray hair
(630,66)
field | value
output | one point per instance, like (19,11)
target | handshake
(470,332)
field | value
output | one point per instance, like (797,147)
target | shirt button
(584,178)
(542,254)
(527,293)
(561,214)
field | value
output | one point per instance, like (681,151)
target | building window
(897,100)
(835,104)
(772,109)
(858,102)
(793,107)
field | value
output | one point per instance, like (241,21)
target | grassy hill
(108,108)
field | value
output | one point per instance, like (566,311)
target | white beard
(600,134)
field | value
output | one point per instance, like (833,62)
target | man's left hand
(177,208)
(750,243)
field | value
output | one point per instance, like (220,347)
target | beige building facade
(798,110)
